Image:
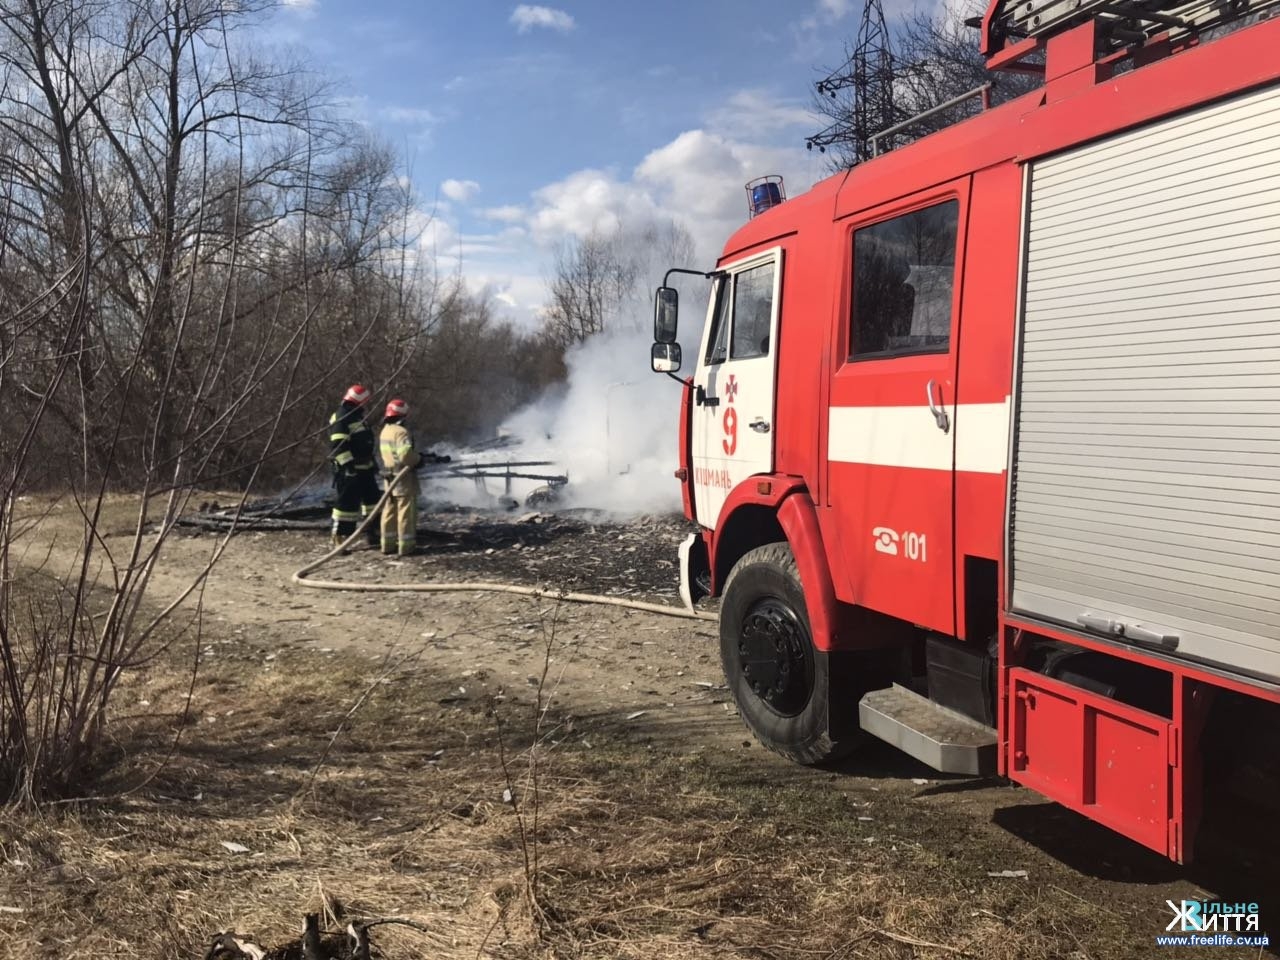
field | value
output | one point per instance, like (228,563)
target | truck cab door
(733,386)
(891,425)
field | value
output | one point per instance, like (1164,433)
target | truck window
(903,271)
(718,342)
(752,312)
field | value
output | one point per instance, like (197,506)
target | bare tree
(192,246)
(475,368)
(590,281)
(597,285)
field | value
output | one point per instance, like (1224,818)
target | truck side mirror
(666,309)
(665,357)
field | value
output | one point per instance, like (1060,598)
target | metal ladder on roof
(1020,26)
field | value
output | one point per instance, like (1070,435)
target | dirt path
(648,682)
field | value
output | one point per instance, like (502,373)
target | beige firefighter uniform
(400,514)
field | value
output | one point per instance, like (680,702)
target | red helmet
(356,394)
(397,408)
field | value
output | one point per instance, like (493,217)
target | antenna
(869,72)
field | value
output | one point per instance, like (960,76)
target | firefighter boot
(371,536)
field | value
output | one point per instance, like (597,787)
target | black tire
(779,681)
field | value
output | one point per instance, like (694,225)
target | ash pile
(489,515)
(487,476)
(500,480)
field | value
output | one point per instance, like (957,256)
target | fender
(763,490)
(789,506)
(799,518)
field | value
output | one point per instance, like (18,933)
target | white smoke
(614,427)
(615,430)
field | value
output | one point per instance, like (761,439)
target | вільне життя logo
(1213,923)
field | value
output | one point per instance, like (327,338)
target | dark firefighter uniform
(355,472)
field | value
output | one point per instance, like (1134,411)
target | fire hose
(300,578)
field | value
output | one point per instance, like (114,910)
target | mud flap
(695,570)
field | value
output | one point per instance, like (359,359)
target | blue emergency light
(764,193)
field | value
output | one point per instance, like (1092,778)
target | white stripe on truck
(909,437)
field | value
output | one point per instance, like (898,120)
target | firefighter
(354,469)
(400,515)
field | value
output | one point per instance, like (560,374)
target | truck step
(943,739)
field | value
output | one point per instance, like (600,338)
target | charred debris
(308,508)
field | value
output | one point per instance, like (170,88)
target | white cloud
(306,8)
(460,190)
(527,16)
(437,237)
(587,201)
(410,115)
(701,177)
(697,179)
(759,115)
(506,214)
(809,32)
(522,291)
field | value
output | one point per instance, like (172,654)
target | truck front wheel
(780,683)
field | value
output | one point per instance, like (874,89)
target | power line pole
(868,77)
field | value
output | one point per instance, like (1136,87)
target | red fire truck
(983,435)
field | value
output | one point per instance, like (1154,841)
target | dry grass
(645,850)
(655,839)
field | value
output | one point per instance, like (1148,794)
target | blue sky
(526,124)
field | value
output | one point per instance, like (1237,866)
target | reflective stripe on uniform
(345,457)
(364,466)
(357,426)
(337,433)
(394,456)
(345,514)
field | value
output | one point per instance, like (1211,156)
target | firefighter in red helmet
(396,450)
(354,469)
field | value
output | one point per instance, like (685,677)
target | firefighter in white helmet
(354,469)
(396,450)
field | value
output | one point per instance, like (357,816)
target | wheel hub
(777,659)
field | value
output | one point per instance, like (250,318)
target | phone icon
(886,540)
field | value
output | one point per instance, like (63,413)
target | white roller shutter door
(1146,484)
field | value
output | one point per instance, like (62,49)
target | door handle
(939,413)
(759,425)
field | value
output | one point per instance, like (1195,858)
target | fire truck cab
(982,437)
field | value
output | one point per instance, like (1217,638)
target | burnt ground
(583,551)
(361,748)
